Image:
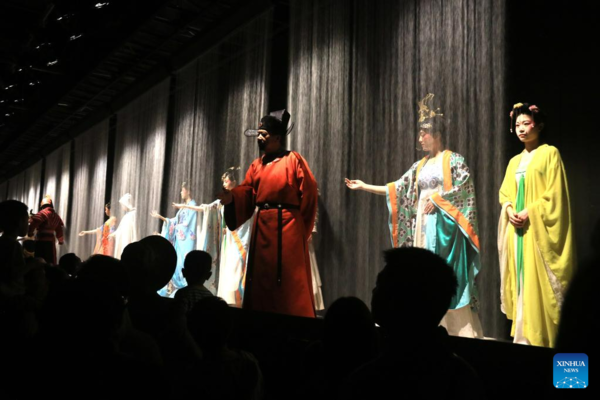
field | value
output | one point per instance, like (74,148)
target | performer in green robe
(433,206)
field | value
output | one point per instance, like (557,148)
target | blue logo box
(571,371)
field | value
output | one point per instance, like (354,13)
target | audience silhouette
(99,329)
(411,295)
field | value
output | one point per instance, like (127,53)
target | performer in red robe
(283,190)
(48,223)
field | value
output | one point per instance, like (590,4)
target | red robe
(47,223)
(278,277)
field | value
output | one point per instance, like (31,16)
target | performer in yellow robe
(535,234)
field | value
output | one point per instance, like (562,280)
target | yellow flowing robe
(548,248)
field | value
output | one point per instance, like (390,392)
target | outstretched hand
(82,233)
(354,184)
(178,206)
(154,214)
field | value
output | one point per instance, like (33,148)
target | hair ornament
(424,111)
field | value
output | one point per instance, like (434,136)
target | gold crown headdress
(424,111)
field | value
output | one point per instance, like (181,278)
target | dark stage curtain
(217,98)
(15,187)
(26,186)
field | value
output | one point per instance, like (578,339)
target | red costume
(278,277)
(47,222)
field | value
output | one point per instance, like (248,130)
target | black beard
(261,145)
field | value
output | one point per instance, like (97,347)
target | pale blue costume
(181,232)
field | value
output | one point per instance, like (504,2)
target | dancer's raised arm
(357,184)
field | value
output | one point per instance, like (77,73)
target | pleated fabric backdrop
(15,187)
(140,145)
(217,97)
(56,184)
(357,70)
(26,186)
(89,188)
(32,186)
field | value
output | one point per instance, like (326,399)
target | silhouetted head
(105,270)
(197,267)
(150,263)
(83,312)
(349,333)
(210,323)
(69,263)
(348,316)
(413,291)
(13,218)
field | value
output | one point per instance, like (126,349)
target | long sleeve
(309,193)
(401,199)
(35,221)
(188,220)
(550,214)
(168,228)
(59,232)
(456,239)
(458,201)
(508,189)
(244,201)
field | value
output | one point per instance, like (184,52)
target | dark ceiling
(63,62)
